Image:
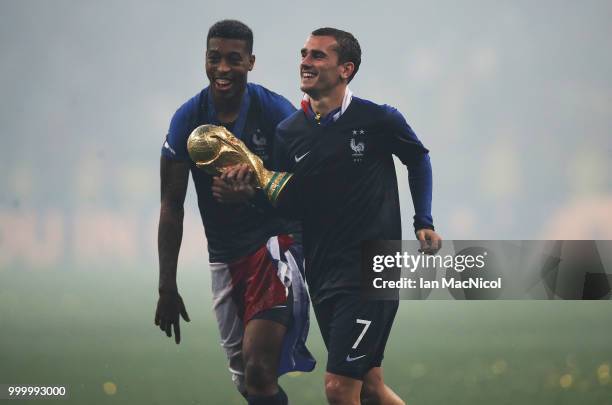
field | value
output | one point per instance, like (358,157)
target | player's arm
(420,182)
(408,148)
(174,176)
(281,159)
(290,203)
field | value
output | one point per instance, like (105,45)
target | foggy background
(513,99)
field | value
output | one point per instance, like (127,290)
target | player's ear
(347,70)
(251,62)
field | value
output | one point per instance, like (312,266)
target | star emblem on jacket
(357,147)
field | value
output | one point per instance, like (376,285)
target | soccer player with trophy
(259,297)
(336,174)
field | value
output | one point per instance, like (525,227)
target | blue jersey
(345,189)
(232,230)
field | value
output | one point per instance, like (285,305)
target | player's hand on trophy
(169,307)
(431,242)
(234,185)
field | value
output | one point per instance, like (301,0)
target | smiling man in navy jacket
(344,189)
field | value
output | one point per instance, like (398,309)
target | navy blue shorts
(355,332)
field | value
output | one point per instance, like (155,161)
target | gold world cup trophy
(213,148)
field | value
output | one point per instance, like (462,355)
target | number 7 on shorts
(363,332)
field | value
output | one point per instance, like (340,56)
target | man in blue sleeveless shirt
(260,299)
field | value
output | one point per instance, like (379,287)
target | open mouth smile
(308,75)
(223,83)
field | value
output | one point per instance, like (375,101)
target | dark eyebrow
(216,53)
(315,52)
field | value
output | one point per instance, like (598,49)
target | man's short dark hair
(348,48)
(231,29)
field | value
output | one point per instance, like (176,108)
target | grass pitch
(94,332)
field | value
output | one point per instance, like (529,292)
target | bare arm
(174,176)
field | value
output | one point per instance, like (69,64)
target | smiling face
(320,71)
(228,62)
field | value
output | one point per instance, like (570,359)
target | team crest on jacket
(260,144)
(357,147)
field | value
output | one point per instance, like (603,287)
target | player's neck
(227,109)
(323,104)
